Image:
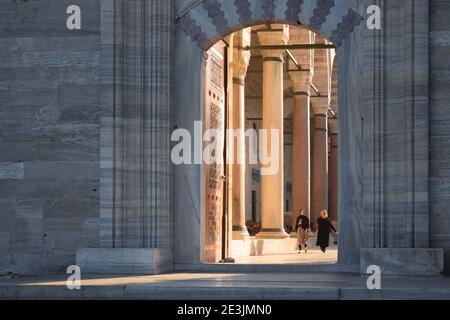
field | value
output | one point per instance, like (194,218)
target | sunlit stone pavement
(230,286)
(313,256)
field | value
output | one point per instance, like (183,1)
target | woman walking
(324,228)
(302,227)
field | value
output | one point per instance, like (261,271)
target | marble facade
(85,166)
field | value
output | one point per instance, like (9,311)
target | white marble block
(404,261)
(124,261)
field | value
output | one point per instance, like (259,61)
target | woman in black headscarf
(324,228)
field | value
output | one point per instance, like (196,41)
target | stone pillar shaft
(333,171)
(301,172)
(319,159)
(136,225)
(272,193)
(135,122)
(241,60)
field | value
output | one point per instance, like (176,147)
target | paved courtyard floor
(313,256)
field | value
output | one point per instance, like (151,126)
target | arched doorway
(205,23)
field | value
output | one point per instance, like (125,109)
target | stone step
(231,286)
(288,268)
(218,292)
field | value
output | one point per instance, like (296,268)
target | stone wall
(51,105)
(49,134)
(440,126)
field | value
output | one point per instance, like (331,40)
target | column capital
(241,61)
(241,58)
(333,126)
(320,105)
(301,81)
(276,37)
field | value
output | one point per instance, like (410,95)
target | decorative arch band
(209,19)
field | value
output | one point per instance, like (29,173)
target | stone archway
(205,22)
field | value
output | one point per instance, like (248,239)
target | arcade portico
(271,84)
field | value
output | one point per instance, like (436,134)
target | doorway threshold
(271,268)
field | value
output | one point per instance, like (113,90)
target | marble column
(241,60)
(319,183)
(301,149)
(272,185)
(333,170)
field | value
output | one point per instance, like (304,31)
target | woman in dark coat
(301,227)
(324,228)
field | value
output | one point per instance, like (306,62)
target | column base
(272,234)
(240,233)
(404,261)
(124,261)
